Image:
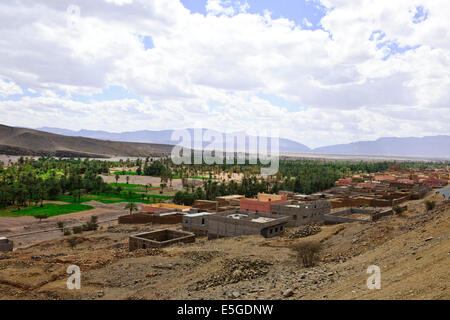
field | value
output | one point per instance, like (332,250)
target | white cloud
(373,71)
(9,88)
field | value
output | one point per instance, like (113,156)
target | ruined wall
(379,215)
(159,239)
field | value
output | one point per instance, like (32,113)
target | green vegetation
(48,210)
(131,206)
(26,184)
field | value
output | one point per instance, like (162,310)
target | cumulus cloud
(374,68)
(8,88)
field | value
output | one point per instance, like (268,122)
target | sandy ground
(412,252)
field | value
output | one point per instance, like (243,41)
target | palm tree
(132,207)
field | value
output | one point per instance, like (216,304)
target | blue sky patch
(421,15)
(304,13)
(147,41)
(27,92)
(111,93)
(393,48)
(275,100)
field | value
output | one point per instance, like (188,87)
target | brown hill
(22,141)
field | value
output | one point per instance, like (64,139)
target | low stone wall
(332,219)
(204,205)
(378,215)
(142,218)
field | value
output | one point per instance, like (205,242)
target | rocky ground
(413,253)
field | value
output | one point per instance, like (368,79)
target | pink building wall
(254,205)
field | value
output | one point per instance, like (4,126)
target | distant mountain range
(165,137)
(429,147)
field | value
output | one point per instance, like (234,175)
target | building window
(295,217)
(276,229)
(281,228)
(270,231)
(203,221)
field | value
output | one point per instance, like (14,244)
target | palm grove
(31,181)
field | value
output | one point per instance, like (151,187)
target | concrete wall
(6,245)
(197,224)
(220,225)
(303,212)
(159,239)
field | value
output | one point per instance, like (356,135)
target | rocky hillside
(412,252)
(21,141)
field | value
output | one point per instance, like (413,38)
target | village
(359,198)
(232,247)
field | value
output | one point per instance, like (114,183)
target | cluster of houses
(360,198)
(267,215)
(391,188)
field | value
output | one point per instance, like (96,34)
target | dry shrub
(430,205)
(308,253)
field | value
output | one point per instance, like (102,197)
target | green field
(115,198)
(177,176)
(48,209)
(47,174)
(127,173)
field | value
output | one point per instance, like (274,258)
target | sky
(320,72)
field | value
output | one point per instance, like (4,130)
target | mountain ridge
(23,141)
(428,146)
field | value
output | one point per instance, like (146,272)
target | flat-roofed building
(262,202)
(197,222)
(235,223)
(150,207)
(301,212)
